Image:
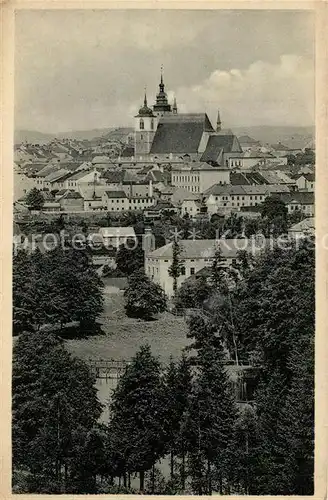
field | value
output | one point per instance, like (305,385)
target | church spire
(218,122)
(175,107)
(161,85)
(145,99)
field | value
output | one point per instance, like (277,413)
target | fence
(108,369)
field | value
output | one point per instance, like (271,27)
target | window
(152,124)
(183,271)
(141,137)
(141,125)
(192,270)
(165,260)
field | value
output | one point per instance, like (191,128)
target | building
(300,201)
(303,228)
(306,182)
(115,236)
(145,128)
(246,142)
(197,177)
(195,254)
(119,201)
(71,201)
(224,199)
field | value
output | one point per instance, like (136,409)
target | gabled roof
(206,248)
(218,144)
(116,194)
(113,176)
(71,195)
(180,133)
(246,139)
(48,169)
(304,225)
(55,176)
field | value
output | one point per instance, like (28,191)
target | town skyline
(268,67)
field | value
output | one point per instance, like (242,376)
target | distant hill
(293,137)
(32,136)
(290,136)
(35,137)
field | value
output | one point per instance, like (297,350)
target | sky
(87,69)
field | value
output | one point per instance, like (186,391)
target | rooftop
(180,133)
(206,248)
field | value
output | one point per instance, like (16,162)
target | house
(303,228)
(115,201)
(116,236)
(196,177)
(156,211)
(302,201)
(280,149)
(306,182)
(190,205)
(71,201)
(224,199)
(195,254)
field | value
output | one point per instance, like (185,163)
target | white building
(195,255)
(115,236)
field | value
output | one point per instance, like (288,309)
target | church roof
(180,133)
(218,144)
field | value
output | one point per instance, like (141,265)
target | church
(162,134)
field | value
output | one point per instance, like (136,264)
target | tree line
(185,413)
(54,288)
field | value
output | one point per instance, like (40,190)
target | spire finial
(145,99)
(162,74)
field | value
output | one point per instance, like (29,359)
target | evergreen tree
(54,408)
(178,383)
(129,259)
(143,298)
(137,415)
(210,421)
(192,293)
(175,269)
(34,199)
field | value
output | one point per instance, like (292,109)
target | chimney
(218,122)
(150,190)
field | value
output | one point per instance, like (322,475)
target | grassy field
(122,336)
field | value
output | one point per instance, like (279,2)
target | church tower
(162,106)
(144,129)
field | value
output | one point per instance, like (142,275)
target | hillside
(290,136)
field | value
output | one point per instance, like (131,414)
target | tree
(177,384)
(233,225)
(275,311)
(54,287)
(175,269)
(143,298)
(129,257)
(218,271)
(210,420)
(54,408)
(192,293)
(273,207)
(137,415)
(34,199)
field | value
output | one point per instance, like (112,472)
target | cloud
(263,93)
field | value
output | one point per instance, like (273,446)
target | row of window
(185,178)
(140,200)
